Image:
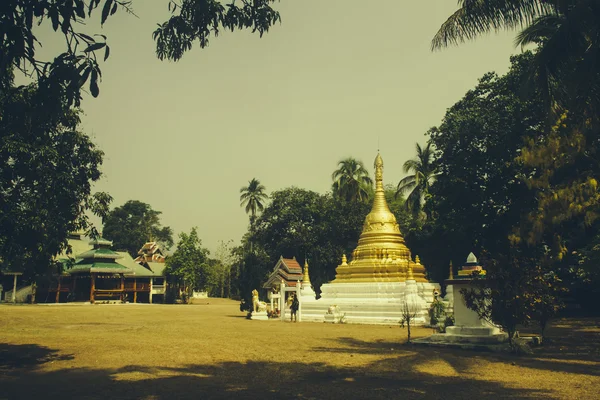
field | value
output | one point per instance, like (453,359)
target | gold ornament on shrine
(381,254)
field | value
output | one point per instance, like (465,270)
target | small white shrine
(468,327)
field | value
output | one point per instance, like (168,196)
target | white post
(299,312)
(150,295)
(14,293)
(282,301)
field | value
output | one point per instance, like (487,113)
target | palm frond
(413,201)
(540,30)
(252,197)
(411,165)
(406,184)
(349,179)
(476,17)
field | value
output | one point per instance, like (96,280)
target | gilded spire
(409,275)
(305,278)
(380,218)
(381,254)
(451,276)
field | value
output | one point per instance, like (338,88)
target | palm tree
(253,198)
(567,35)
(423,174)
(351,181)
(476,17)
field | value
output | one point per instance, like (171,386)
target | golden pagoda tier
(381,254)
(380,278)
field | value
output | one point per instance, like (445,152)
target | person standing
(294,308)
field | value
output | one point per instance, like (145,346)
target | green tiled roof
(91,258)
(106,254)
(106,267)
(135,268)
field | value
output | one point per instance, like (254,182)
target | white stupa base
(485,335)
(449,299)
(259,315)
(370,303)
(308,292)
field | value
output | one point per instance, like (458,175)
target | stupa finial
(451,275)
(409,273)
(306,277)
(378,169)
(344,260)
(417,260)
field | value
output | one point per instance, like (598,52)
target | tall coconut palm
(351,181)
(567,33)
(253,198)
(418,183)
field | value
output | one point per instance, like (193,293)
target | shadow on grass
(403,373)
(14,358)
(236,380)
(573,347)
(573,339)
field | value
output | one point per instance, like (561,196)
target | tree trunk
(229,282)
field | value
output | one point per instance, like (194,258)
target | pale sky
(333,79)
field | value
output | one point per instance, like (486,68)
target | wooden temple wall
(101,288)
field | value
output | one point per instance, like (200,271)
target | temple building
(380,276)
(100,274)
(286,278)
(98,271)
(150,252)
(287,270)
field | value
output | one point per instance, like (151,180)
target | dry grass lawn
(210,351)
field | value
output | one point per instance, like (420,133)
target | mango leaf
(80,8)
(106,10)
(94,89)
(93,4)
(86,37)
(86,74)
(53,14)
(94,46)
(106,53)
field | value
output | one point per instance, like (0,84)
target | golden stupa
(381,255)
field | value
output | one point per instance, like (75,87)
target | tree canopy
(253,198)
(188,266)
(47,167)
(309,226)
(478,196)
(133,224)
(566,33)
(351,181)
(417,184)
(191,21)
(559,167)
